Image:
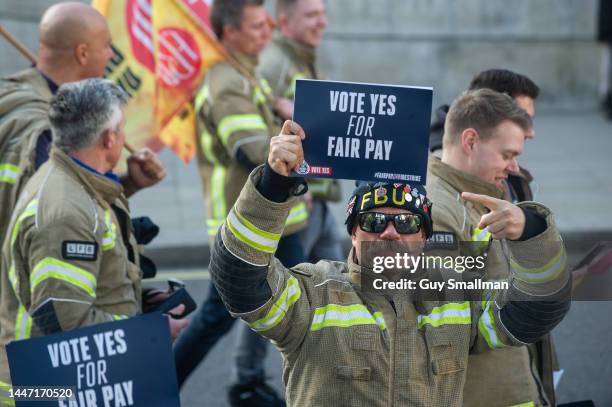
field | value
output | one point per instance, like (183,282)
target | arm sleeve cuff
(534,224)
(276,187)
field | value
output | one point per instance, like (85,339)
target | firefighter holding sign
(343,345)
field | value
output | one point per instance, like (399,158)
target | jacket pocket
(352,373)
(444,355)
(365,338)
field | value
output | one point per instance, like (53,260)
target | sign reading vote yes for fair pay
(363,131)
(122,363)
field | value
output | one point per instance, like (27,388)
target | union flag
(162,50)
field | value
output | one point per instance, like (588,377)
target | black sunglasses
(376,222)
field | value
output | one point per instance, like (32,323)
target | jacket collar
(462,181)
(98,185)
(247,62)
(36,79)
(302,53)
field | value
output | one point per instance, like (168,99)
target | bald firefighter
(344,345)
(74,44)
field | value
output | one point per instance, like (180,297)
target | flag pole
(30,57)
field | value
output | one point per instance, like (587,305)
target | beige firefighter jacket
(24,102)
(343,346)
(282,63)
(233,114)
(487,380)
(65,263)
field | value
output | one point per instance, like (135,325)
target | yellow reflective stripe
(344,316)
(30,210)
(277,312)
(548,272)
(447,314)
(213,225)
(201,98)
(290,92)
(481,235)
(53,268)
(217,193)
(297,214)
(206,141)
(380,320)
(12,276)
(4,394)
(110,235)
(528,404)
(239,122)
(486,327)
(9,173)
(119,317)
(23,324)
(259,93)
(250,234)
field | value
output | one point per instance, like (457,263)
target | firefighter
(235,122)
(70,258)
(483,136)
(291,55)
(74,44)
(345,346)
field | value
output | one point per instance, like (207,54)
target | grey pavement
(571,160)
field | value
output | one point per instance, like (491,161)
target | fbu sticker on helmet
(76,250)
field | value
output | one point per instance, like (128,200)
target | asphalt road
(583,342)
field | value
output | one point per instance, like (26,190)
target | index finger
(291,127)
(488,201)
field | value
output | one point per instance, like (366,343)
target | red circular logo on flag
(179,58)
(140,27)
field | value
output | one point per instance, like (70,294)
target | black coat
(604,28)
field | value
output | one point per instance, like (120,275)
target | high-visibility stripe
(259,93)
(297,214)
(201,98)
(23,324)
(5,400)
(481,235)
(290,92)
(213,225)
(53,268)
(528,404)
(217,194)
(9,173)
(548,272)
(239,122)
(447,314)
(486,327)
(319,187)
(206,141)
(30,210)
(110,235)
(277,312)
(119,317)
(345,316)
(250,234)
(12,276)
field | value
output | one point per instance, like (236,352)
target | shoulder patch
(442,240)
(77,250)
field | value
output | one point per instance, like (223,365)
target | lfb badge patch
(77,250)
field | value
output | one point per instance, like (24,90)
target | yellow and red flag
(162,50)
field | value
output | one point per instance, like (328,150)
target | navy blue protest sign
(363,131)
(123,363)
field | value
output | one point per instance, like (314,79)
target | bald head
(75,40)
(65,25)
